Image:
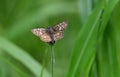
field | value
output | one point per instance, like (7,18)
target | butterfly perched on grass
(50,34)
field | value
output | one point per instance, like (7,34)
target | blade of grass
(85,45)
(108,10)
(104,62)
(23,74)
(44,61)
(109,63)
(22,56)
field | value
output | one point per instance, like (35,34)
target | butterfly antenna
(52,59)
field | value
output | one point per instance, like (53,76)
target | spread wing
(42,33)
(59,30)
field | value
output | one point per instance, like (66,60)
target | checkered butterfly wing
(42,33)
(59,31)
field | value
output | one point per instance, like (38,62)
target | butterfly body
(51,34)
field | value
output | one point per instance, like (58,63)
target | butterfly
(51,34)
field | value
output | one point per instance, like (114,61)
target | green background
(90,47)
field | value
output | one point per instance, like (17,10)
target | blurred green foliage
(90,47)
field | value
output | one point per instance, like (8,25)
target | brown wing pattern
(59,31)
(42,33)
(58,35)
(60,27)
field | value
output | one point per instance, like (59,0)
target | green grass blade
(43,65)
(107,61)
(84,49)
(108,10)
(22,56)
(23,74)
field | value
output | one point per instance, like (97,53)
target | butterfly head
(52,42)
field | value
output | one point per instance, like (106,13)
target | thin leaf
(13,66)
(108,63)
(84,49)
(22,56)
